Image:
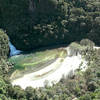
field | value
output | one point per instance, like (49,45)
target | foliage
(51,22)
(87,42)
(5,66)
(82,86)
(32,26)
(4,47)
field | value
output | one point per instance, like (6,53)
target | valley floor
(52,73)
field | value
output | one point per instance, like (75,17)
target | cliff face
(36,23)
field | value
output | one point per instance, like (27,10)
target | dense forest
(32,24)
(38,23)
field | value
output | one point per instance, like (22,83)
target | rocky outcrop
(74,49)
(81,48)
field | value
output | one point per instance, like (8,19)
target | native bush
(4,47)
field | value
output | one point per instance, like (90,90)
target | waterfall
(13,50)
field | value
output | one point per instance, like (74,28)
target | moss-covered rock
(4,46)
(76,48)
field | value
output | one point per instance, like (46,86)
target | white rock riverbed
(52,73)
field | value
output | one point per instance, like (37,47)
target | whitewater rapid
(52,73)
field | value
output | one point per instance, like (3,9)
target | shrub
(85,97)
(87,42)
(4,47)
(92,86)
(5,66)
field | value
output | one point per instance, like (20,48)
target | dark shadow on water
(45,48)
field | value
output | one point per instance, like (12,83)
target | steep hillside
(32,24)
(4,47)
(37,23)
